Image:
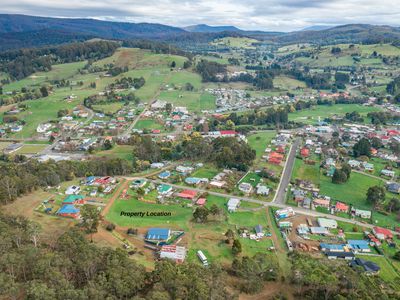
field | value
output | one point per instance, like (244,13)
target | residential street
(287,173)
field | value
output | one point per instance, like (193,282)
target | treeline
(22,63)
(110,97)
(271,116)
(209,70)
(225,152)
(20,177)
(156,47)
(73,268)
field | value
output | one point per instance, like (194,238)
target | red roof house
(228,132)
(187,194)
(275,158)
(304,152)
(382,233)
(341,207)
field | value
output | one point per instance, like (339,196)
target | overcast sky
(277,15)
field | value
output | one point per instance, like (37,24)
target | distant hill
(208,28)
(116,30)
(351,33)
(317,28)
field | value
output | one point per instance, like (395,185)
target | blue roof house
(164,175)
(359,245)
(158,234)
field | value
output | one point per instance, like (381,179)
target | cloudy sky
(279,15)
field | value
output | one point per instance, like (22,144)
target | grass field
(148,124)
(207,171)
(178,220)
(30,149)
(260,140)
(310,116)
(287,83)
(118,151)
(193,101)
(306,172)
(387,272)
(236,42)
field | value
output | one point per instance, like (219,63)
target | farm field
(236,42)
(287,83)
(310,116)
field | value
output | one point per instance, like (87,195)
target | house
(164,189)
(158,234)
(69,211)
(228,133)
(332,247)
(369,267)
(327,223)
(138,183)
(262,190)
(217,184)
(354,163)
(157,165)
(193,180)
(364,214)
(284,213)
(72,190)
(305,152)
(245,187)
(388,173)
(174,252)
(202,258)
(187,194)
(382,233)
(233,204)
(359,246)
(319,230)
(184,170)
(306,203)
(343,255)
(259,231)
(321,202)
(275,158)
(341,207)
(331,170)
(201,201)
(74,199)
(368,167)
(394,187)
(164,175)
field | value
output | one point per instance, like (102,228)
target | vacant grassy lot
(148,124)
(287,83)
(260,140)
(194,101)
(207,171)
(178,220)
(118,151)
(306,172)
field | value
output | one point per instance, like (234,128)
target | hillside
(207,28)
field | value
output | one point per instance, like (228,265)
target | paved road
(286,174)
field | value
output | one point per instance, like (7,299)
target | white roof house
(233,204)
(72,190)
(327,223)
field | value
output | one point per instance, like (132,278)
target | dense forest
(22,63)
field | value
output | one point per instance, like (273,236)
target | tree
(90,219)
(173,64)
(200,214)
(397,256)
(215,210)
(140,192)
(44,91)
(107,145)
(339,176)
(393,205)
(189,87)
(229,235)
(168,108)
(376,195)
(236,247)
(362,147)
(347,170)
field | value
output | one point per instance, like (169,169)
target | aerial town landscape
(146,161)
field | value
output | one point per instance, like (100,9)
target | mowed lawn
(193,101)
(354,191)
(260,140)
(306,172)
(207,171)
(180,216)
(148,124)
(118,151)
(310,116)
